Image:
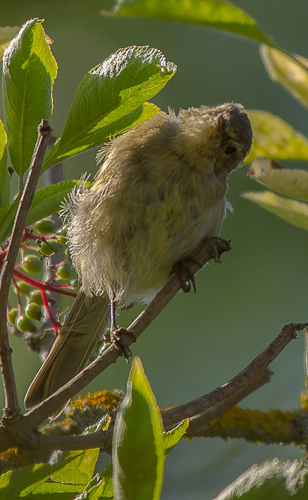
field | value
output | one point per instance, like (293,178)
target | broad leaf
(292,211)
(73,477)
(289,72)
(100,136)
(29,70)
(109,99)
(217,14)
(293,183)
(274,138)
(138,447)
(46,201)
(272,480)
(21,482)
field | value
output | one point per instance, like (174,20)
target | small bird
(159,192)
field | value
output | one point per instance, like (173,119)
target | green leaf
(70,477)
(275,138)
(6,35)
(109,99)
(138,446)
(292,211)
(100,136)
(5,181)
(171,438)
(46,201)
(29,70)
(290,72)
(293,183)
(6,223)
(217,14)
(272,480)
(100,487)
(21,482)
(73,477)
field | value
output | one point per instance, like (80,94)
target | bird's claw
(184,272)
(119,343)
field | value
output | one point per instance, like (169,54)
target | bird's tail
(84,326)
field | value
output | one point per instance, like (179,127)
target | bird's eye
(230,150)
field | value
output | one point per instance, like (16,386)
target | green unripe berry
(61,236)
(36,297)
(32,264)
(49,247)
(12,315)
(64,271)
(24,287)
(25,324)
(44,226)
(33,311)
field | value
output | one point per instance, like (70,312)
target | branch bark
(200,411)
(9,383)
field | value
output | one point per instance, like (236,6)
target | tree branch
(255,426)
(200,411)
(10,390)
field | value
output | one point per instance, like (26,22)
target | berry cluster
(39,244)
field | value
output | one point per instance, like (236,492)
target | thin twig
(9,383)
(254,383)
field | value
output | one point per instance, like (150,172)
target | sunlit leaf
(100,136)
(100,486)
(272,480)
(292,211)
(138,447)
(29,70)
(275,138)
(217,14)
(289,72)
(22,482)
(293,183)
(6,35)
(111,98)
(72,477)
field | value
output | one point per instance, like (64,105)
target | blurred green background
(200,341)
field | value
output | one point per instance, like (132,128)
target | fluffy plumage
(159,192)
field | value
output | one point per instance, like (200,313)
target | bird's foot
(116,337)
(184,272)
